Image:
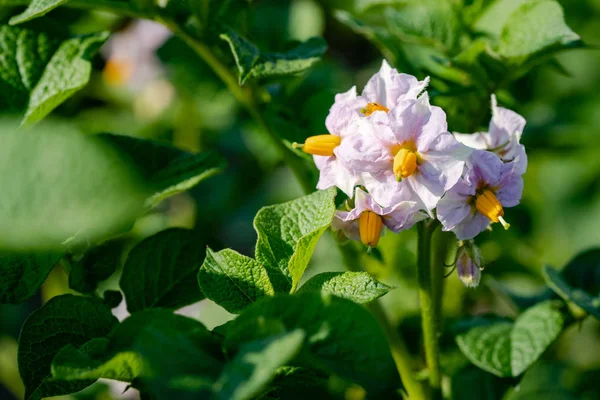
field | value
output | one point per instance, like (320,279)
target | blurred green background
(166,92)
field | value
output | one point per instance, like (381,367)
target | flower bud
(487,204)
(372,107)
(468,265)
(369,227)
(320,145)
(405,164)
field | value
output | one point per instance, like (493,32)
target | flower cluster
(391,152)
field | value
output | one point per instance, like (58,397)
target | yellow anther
(405,164)
(372,107)
(320,145)
(488,205)
(117,71)
(369,227)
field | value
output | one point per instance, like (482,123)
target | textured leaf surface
(63,320)
(36,8)
(97,265)
(23,274)
(256,365)
(507,349)
(534,27)
(169,170)
(63,188)
(289,232)
(254,64)
(359,287)
(232,280)
(161,271)
(341,336)
(558,283)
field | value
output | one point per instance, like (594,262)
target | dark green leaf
(168,169)
(584,271)
(544,381)
(36,8)
(255,365)
(341,336)
(232,280)
(112,298)
(63,320)
(288,234)
(254,64)
(97,265)
(507,349)
(359,287)
(23,274)
(569,293)
(161,271)
(472,383)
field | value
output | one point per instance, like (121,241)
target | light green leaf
(581,298)
(359,287)
(36,8)
(507,349)
(289,232)
(256,364)
(168,169)
(160,271)
(97,265)
(232,280)
(63,320)
(61,188)
(254,64)
(23,274)
(495,15)
(342,337)
(536,27)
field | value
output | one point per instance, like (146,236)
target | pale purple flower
(486,175)
(503,137)
(468,264)
(420,128)
(401,216)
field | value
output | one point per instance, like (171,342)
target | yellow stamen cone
(369,227)
(487,204)
(320,145)
(372,107)
(405,164)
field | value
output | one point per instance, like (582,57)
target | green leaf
(583,271)
(254,64)
(63,320)
(97,265)
(558,283)
(473,383)
(36,8)
(536,27)
(168,352)
(289,232)
(256,364)
(359,287)
(341,336)
(168,169)
(61,188)
(160,271)
(494,17)
(507,349)
(546,381)
(23,274)
(232,280)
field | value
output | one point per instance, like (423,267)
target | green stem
(402,358)
(430,309)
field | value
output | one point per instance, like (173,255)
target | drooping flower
(366,220)
(480,196)
(503,137)
(383,91)
(407,149)
(469,264)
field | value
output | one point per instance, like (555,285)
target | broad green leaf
(62,321)
(342,337)
(23,274)
(581,298)
(583,271)
(232,280)
(359,287)
(61,188)
(161,270)
(168,170)
(544,380)
(495,15)
(254,64)
(536,27)
(256,364)
(162,349)
(474,383)
(36,8)
(97,265)
(289,232)
(507,349)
